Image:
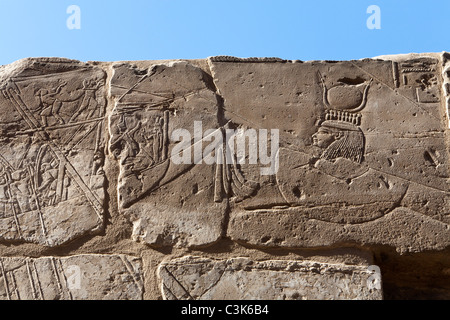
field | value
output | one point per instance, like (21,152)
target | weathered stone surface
(51,150)
(169,203)
(225,157)
(196,278)
(82,277)
(363,152)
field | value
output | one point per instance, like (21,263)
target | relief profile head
(340,139)
(339,135)
(325,136)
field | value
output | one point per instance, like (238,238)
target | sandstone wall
(225,178)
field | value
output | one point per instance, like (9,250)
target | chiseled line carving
(13,95)
(31,279)
(64,282)
(38,282)
(5,279)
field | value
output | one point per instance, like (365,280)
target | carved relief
(52,150)
(421,75)
(358,166)
(169,203)
(231,153)
(142,145)
(83,277)
(340,135)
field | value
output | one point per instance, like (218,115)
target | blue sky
(189,29)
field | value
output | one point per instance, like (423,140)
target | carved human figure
(336,184)
(21,190)
(66,185)
(4,198)
(3,184)
(50,104)
(89,101)
(49,183)
(340,139)
(343,141)
(98,162)
(125,143)
(156,138)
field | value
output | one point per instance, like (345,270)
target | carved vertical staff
(165,136)
(60,184)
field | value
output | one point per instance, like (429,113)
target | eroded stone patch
(194,278)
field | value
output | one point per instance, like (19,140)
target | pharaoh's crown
(344,116)
(343,102)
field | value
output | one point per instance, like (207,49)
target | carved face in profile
(324,137)
(340,140)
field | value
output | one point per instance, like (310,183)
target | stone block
(81,277)
(362,154)
(51,150)
(194,278)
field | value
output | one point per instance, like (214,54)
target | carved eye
(324,131)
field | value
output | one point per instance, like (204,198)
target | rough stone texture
(139,159)
(83,277)
(51,150)
(194,278)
